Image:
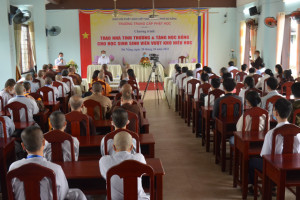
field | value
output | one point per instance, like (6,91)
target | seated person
(8,92)
(95,76)
(40,77)
(207,70)
(101,78)
(34,86)
(123,147)
(145,58)
(107,73)
(38,101)
(229,85)
(58,122)
(189,76)
(248,84)
(181,76)
(33,143)
(48,83)
(60,60)
(127,104)
(65,74)
(231,66)
(76,104)
(119,121)
(9,125)
(252,71)
(124,75)
(27,87)
(50,72)
(122,83)
(261,82)
(204,79)
(244,68)
(198,68)
(78,79)
(296,103)
(252,100)
(223,71)
(278,72)
(32,107)
(132,76)
(103,100)
(176,74)
(66,88)
(225,75)
(287,76)
(261,69)
(282,110)
(272,85)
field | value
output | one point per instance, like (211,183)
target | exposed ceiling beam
(142,4)
(55,2)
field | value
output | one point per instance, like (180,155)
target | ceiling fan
(199,13)
(116,11)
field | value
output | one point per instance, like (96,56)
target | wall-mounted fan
(296,16)
(19,16)
(270,22)
(251,23)
(54,31)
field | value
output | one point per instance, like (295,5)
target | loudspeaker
(253,11)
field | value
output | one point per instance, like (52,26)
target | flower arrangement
(72,63)
(145,62)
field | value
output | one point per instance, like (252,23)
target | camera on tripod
(154,57)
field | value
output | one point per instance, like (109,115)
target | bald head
(28,77)
(48,80)
(32,139)
(126,92)
(101,75)
(123,141)
(76,103)
(58,77)
(97,87)
(19,88)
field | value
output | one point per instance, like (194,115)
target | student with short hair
(48,83)
(261,69)
(248,84)
(198,68)
(58,122)
(33,143)
(207,70)
(229,85)
(119,121)
(180,77)
(34,86)
(251,71)
(8,92)
(272,85)
(123,147)
(189,76)
(223,71)
(225,75)
(231,66)
(65,74)
(261,82)
(178,72)
(244,68)
(40,77)
(66,88)
(204,79)
(296,104)
(281,112)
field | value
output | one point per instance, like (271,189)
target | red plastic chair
(214,76)
(67,81)
(181,100)
(295,114)
(134,122)
(137,92)
(15,107)
(256,77)
(265,86)
(188,99)
(36,96)
(75,118)
(56,138)
(205,89)
(252,89)
(288,89)
(181,59)
(2,120)
(31,175)
(234,72)
(64,99)
(132,82)
(46,90)
(111,135)
(74,78)
(1,105)
(241,76)
(238,88)
(90,106)
(37,81)
(272,100)
(198,73)
(129,171)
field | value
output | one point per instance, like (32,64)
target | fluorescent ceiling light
(246,11)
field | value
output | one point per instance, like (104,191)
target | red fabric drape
(85,42)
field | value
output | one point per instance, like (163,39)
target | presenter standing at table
(103,59)
(60,60)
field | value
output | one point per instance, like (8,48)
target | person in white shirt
(261,82)
(248,84)
(66,88)
(244,68)
(282,110)
(261,69)
(58,122)
(8,92)
(103,59)
(175,75)
(119,121)
(60,60)
(231,66)
(272,85)
(33,143)
(32,107)
(198,68)
(180,77)
(204,79)
(252,100)
(123,147)
(9,125)
(40,76)
(48,83)
(252,71)
(225,75)
(188,87)
(34,86)
(65,74)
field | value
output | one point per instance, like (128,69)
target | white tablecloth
(116,70)
(143,73)
(191,66)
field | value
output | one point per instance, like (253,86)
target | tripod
(158,80)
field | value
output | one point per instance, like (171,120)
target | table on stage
(115,69)
(88,172)
(191,66)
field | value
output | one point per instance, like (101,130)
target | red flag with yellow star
(85,42)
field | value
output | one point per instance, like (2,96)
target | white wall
(7,65)
(266,37)
(68,40)
(221,37)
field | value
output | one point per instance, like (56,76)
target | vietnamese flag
(85,42)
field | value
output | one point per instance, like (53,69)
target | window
(26,61)
(293,47)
